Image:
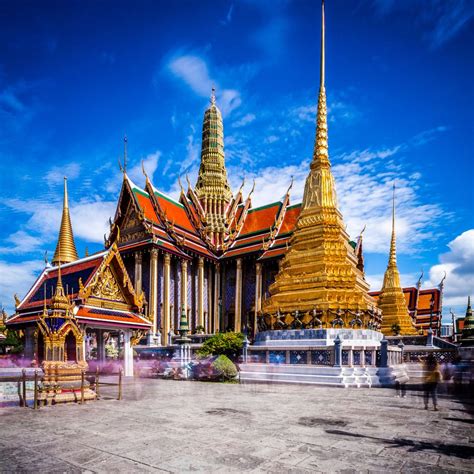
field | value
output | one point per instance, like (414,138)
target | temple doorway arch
(70,347)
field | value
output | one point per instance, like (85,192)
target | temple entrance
(70,347)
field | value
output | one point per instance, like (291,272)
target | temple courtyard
(173,426)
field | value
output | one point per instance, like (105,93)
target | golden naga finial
(17,300)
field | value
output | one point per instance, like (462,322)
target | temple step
(305,374)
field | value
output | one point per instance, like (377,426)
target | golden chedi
(395,315)
(320,268)
(66,248)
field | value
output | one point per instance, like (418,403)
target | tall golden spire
(212,187)
(66,249)
(320,268)
(320,188)
(392,301)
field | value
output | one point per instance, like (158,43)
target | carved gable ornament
(107,287)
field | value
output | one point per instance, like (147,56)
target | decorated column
(166,299)
(258,294)
(238,296)
(138,273)
(153,294)
(184,286)
(217,292)
(200,290)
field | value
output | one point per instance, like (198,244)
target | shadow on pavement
(458,450)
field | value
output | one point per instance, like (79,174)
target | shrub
(229,344)
(225,367)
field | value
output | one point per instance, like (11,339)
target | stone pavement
(177,426)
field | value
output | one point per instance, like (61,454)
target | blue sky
(76,76)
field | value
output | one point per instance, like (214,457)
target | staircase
(314,375)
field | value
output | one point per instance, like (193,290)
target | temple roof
(98,286)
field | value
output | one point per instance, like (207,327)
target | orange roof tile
(260,219)
(146,205)
(291,217)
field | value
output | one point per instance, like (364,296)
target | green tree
(228,343)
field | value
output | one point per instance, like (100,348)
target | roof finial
(323,47)
(125,140)
(213,96)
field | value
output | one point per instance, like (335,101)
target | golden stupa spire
(392,300)
(320,268)
(212,187)
(66,249)
(320,188)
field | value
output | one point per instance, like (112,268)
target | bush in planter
(225,368)
(229,344)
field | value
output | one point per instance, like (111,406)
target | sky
(76,76)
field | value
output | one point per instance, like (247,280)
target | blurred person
(432,377)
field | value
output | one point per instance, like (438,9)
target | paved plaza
(177,426)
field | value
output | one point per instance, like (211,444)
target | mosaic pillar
(184,288)
(258,294)
(152,311)
(166,298)
(209,327)
(200,292)
(238,296)
(138,272)
(217,292)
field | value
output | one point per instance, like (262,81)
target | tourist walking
(432,376)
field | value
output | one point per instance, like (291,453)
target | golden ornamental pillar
(217,299)
(200,295)
(165,324)
(184,288)
(209,328)
(138,272)
(238,296)
(153,290)
(258,294)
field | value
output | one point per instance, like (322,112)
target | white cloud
(245,120)
(366,178)
(458,264)
(89,220)
(438,20)
(194,71)
(57,173)
(17,278)
(150,163)
(21,242)
(271,139)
